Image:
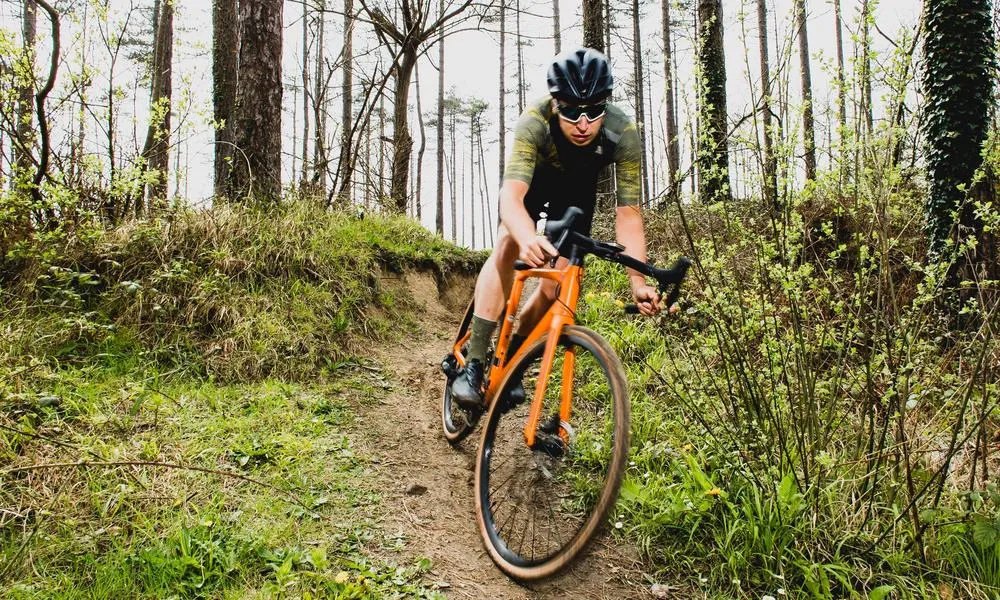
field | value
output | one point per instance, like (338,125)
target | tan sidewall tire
(616,469)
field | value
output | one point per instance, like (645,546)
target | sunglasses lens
(572,113)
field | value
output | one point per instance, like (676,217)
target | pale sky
(471,68)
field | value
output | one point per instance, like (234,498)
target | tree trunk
(958,51)
(866,67)
(652,133)
(608,23)
(156,148)
(593,24)
(225,48)
(556,28)
(713,155)
(520,60)
(402,143)
(320,160)
(24,143)
(417,195)
(471,204)
(503,88)
(304,175)
(640,102)
(770,166)
(346,108)
(381,147)
(454,176)
(838,26)
(256,175)
(672,141)
(808,125)
(439,208)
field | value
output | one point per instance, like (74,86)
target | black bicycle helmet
(580,75)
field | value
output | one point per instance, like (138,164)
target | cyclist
(561,143)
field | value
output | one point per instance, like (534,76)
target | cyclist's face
(583,131)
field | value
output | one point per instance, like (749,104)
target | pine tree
(808,125)
(713,154)
(225,44)
(257,114)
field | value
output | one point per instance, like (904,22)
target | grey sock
(482,331)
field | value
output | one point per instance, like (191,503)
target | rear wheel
(538,508)
(458,423)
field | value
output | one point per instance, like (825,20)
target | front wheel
(538,508)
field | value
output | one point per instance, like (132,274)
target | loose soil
(428,484)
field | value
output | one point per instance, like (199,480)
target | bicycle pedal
(449,366)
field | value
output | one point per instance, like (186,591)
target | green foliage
(230,292)
(808,407)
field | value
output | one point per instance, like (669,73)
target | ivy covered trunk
(958,84)
(713,152)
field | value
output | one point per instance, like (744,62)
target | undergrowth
(812,423)
(177,398)
(229,293)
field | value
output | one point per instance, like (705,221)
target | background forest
(181,374)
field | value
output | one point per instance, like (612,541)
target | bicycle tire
(580,487)
(456,422)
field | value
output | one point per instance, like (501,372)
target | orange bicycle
(552,453)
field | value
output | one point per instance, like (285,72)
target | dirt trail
(438,522)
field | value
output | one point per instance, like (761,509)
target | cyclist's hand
(648,300)
(536,250)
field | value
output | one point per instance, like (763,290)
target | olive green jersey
(534,147)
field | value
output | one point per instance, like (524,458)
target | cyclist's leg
(492,288)
(496,277)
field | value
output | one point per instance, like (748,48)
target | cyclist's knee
(506,250)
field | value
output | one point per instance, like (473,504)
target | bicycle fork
(559,316)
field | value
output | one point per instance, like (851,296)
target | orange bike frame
(559,315)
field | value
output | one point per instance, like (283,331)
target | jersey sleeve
(628,156)
(529,136)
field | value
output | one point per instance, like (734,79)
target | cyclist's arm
(629,228)
(529,134)
(631,233)
(533,248)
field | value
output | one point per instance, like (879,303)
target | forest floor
(344,487)
(427,484)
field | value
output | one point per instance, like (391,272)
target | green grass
(208,362)
(307,529)
(231,293)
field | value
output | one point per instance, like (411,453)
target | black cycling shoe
(467,389)
(513,398)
